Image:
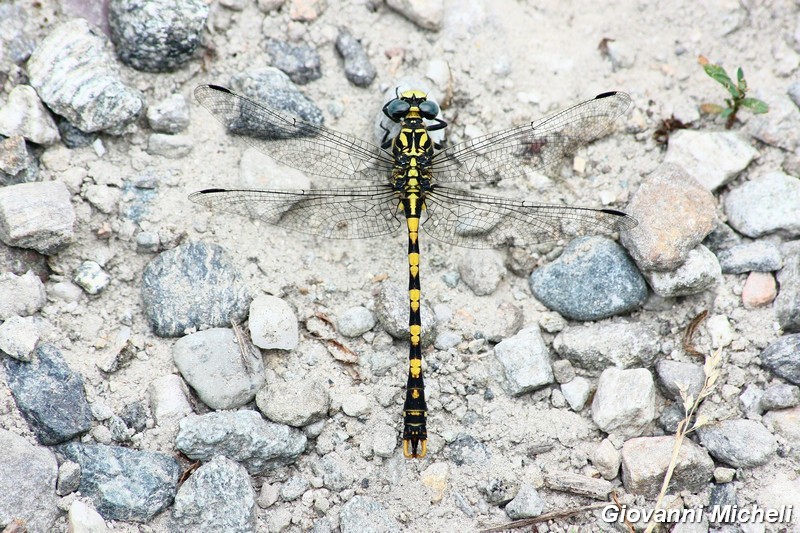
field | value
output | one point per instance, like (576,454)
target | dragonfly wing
(292,141)
(463,218)
(541,145)
(334,213)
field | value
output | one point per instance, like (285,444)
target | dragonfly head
(409,105)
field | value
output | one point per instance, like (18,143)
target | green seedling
(737,90)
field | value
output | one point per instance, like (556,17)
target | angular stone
(698,273)
(787,304)
(525,360)
(713,158)
(37,215)
(300,62)
(645,461)
(782,357)
(296,403)
(273,324)
(624,403)
(49,395)
(668,193)
(171,115)
(22,295)
(25,115)
(739,443)
(758,256)
(73,72)
(427,14)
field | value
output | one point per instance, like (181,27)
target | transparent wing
(335,213)
(472,220)
(541,144)
(292,141)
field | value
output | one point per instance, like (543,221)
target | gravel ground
(554,372)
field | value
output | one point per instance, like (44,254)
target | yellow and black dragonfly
(409,178)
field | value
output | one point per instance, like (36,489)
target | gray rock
(242,436)
(525,361)
(336,473)
(767,204)
(73,72)
(91,277)
(38,215)
(672,375)
(69,478)
(25,115)
(18,337)
(597,346)
(467,450)
(700,272)
(363,514)
(135,416)
(273,324)
(577,392)
(739,443)
(125,484)
(624,403)
(713,158)
(392,309)
(293,488)
(170,146)
(170,115)
(300,62)
(573,483)
(29,476)
(147,242)
(645,461)
(168,400)
(22,295)
(73,137)
(721,238)
(526,504)
(592,279)
(217,497)
(16,163)
(427,14)
(782,357)
(606,459)
(563,371)
(274,88)
(757,256)
(780,396)
(722,495)
(670,417)
(49,395)
(355,321)
(506,321)
(156,35)
(192,286)
(83,517)
(16,43)
(224,374)
(482,271)
(668,193)
(296,403)
(357,66)
(787,304)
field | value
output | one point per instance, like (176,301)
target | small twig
(564,513)
(246,349)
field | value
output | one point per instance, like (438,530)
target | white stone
(168,399)
(24,114)
(18,337)
(273,324)
(83,519)
(713,158)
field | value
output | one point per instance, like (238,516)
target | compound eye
(428,109)
(397,109)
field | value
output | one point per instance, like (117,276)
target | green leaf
(726,112)
(755,105)
(740,75)
(718,74)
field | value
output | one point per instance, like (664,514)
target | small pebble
(624,403)
(598,346)
(645,461)
(577,392)
(300,62)
(700,272)
(170,146)
(525,361)
(757,256)
(297,403)
(91,277)
(25,115)
(780,357)
(526,504)
(273,324)
(356,321)
(82,517)
(392,310)
(147,242)
(38,215)
(720,330)
(482,271)
(18,337)
(675,375)
(69,478)
(16,163)
(356,405)
(168,399)
(427,14)
(22,295)
(606,459)
(357,66)
(713,158)
(161,37)
(787,304)
(759,290)
(780,396)
(170,115)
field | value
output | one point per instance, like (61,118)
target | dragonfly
(409,180)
